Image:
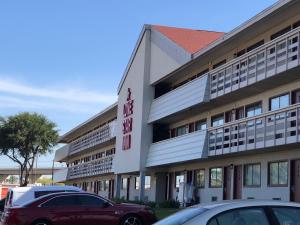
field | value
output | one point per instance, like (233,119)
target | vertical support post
(118,185)
(142,185)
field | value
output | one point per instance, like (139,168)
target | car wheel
(41,222)
(132,220)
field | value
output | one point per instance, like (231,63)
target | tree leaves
(25,136)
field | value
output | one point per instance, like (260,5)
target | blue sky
(64,58)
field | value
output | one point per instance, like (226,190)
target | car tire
(41,222)
(131,220)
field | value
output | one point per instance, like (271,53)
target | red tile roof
(191,40)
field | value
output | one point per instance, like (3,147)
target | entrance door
(227,183)
(238,182)
(128,188)
(295,181)
(111,189)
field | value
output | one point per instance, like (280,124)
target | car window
(213,221)
(62,201)
(38,194)
(287,216)
(253,216)
(182,216)
(91,201)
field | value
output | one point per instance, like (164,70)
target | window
(217,120)
(216,177)
(253,109)
(147,182)
(90,201)
(62,201)
(281,32)
(201,125)
(124,183)
(181,130)
(256,45)
(200,178)
(279,102)
(241,216)
(179,179)
(296,97)
(278,174)
(137,183)
(252,175)
(287,215)
(240,113)
(219,64)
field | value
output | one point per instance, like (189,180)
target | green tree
(25,136)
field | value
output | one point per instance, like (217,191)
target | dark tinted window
(42,193)
(253,216)
(62,201)
(287,215)
(90,201)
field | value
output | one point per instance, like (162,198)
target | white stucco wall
(166,56)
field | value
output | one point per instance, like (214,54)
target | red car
(77,209)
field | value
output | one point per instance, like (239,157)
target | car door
(62,210)
(241,216)
(96,210)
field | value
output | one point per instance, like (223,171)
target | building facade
(206,116)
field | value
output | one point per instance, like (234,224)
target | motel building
(201,116)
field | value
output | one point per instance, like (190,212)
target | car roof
(245,203)
(44,188)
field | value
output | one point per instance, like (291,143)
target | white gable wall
(166,56)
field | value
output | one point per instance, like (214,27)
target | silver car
(248,212)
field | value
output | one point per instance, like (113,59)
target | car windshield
(182,216)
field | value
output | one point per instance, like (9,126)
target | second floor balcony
(274,128)
(187,147)
(94,138)
(272,58)
(92,168)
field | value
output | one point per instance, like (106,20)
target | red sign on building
(127,122)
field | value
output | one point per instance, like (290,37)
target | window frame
(269,174)
(215,117)
(147,186)
(278,96)
(122,181)
(254,104)
(244,176)
(137,183)
(222,173)
(201,122)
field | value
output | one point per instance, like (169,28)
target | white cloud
(68,94)
(25,104)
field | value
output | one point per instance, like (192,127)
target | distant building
(201,116)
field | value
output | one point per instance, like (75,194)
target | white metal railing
(60,175)
(95,137)
(92,168)
(265,61)
(266,130)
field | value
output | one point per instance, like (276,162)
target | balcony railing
(62,153)
(183,97)
(98,136)
(274,128)
(92,168)
(60,175)
(183,148)
(268,60)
